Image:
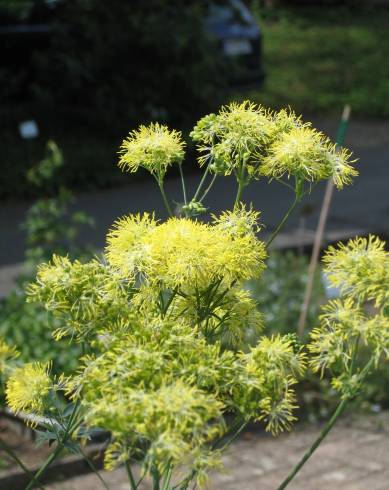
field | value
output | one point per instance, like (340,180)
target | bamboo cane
(321,227)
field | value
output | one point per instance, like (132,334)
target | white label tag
(234,47)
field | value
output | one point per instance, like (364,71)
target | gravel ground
(355,456)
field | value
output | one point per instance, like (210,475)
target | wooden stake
(320,229)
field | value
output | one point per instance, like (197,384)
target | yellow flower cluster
(154,148)
(307,155)
(235,319)
(91,297)
(360,269)
(273,367)
(28,386)
(178,387)
(247,138)
(176,418)
(173,337)
(184,253)
(238,132)
(176,337)
(240,221)
(7,354)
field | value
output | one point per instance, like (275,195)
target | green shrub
(280,292)
(50,228)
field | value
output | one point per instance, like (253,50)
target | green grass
(320,58)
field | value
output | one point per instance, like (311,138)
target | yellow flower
(341,171)
(233,137)
(152,147)
(360,269)
(182,252)
(7,353)
(125,248)
(308,155)
(240,221)
(28,387)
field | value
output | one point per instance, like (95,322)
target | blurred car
(238,36)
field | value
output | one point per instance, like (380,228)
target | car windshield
(227,13)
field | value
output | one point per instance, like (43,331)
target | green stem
(315,445)
(61,444)
(18,461)
(233,437)
(338,412)
(168,477)
(283,221)
(183,485)
(93,467)
(156,478)
(208,188)
(182,183)
(164,197)
(133,484)
(241,186)
(47,463)
(201,183)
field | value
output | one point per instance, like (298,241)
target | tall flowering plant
(172,339)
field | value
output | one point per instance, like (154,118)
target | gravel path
(355,456)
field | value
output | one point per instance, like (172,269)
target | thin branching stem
(18,461)
(156,478)
(182,183)
(315,445)
(243,181)
(167,477)
(234,436)
(238,198)
(329,425)
(164,197)
(299,194)
(133,483)
(208,188)
(283,221)
(93,468)
(71,427)
(53,456)
(201,182)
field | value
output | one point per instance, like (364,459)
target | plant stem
(241,186)
(338,412)
(182,183)
(61,444)
(47,463)
(93,468)
(164,197)
(18,461)
(208,188)
(133,484)
(311,450)
(233,437)
(156,478)
(283,221)
(168,477)
(201,183)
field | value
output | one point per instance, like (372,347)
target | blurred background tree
(116,64)
(89,70)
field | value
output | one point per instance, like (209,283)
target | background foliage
(50,227)
(105,68)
